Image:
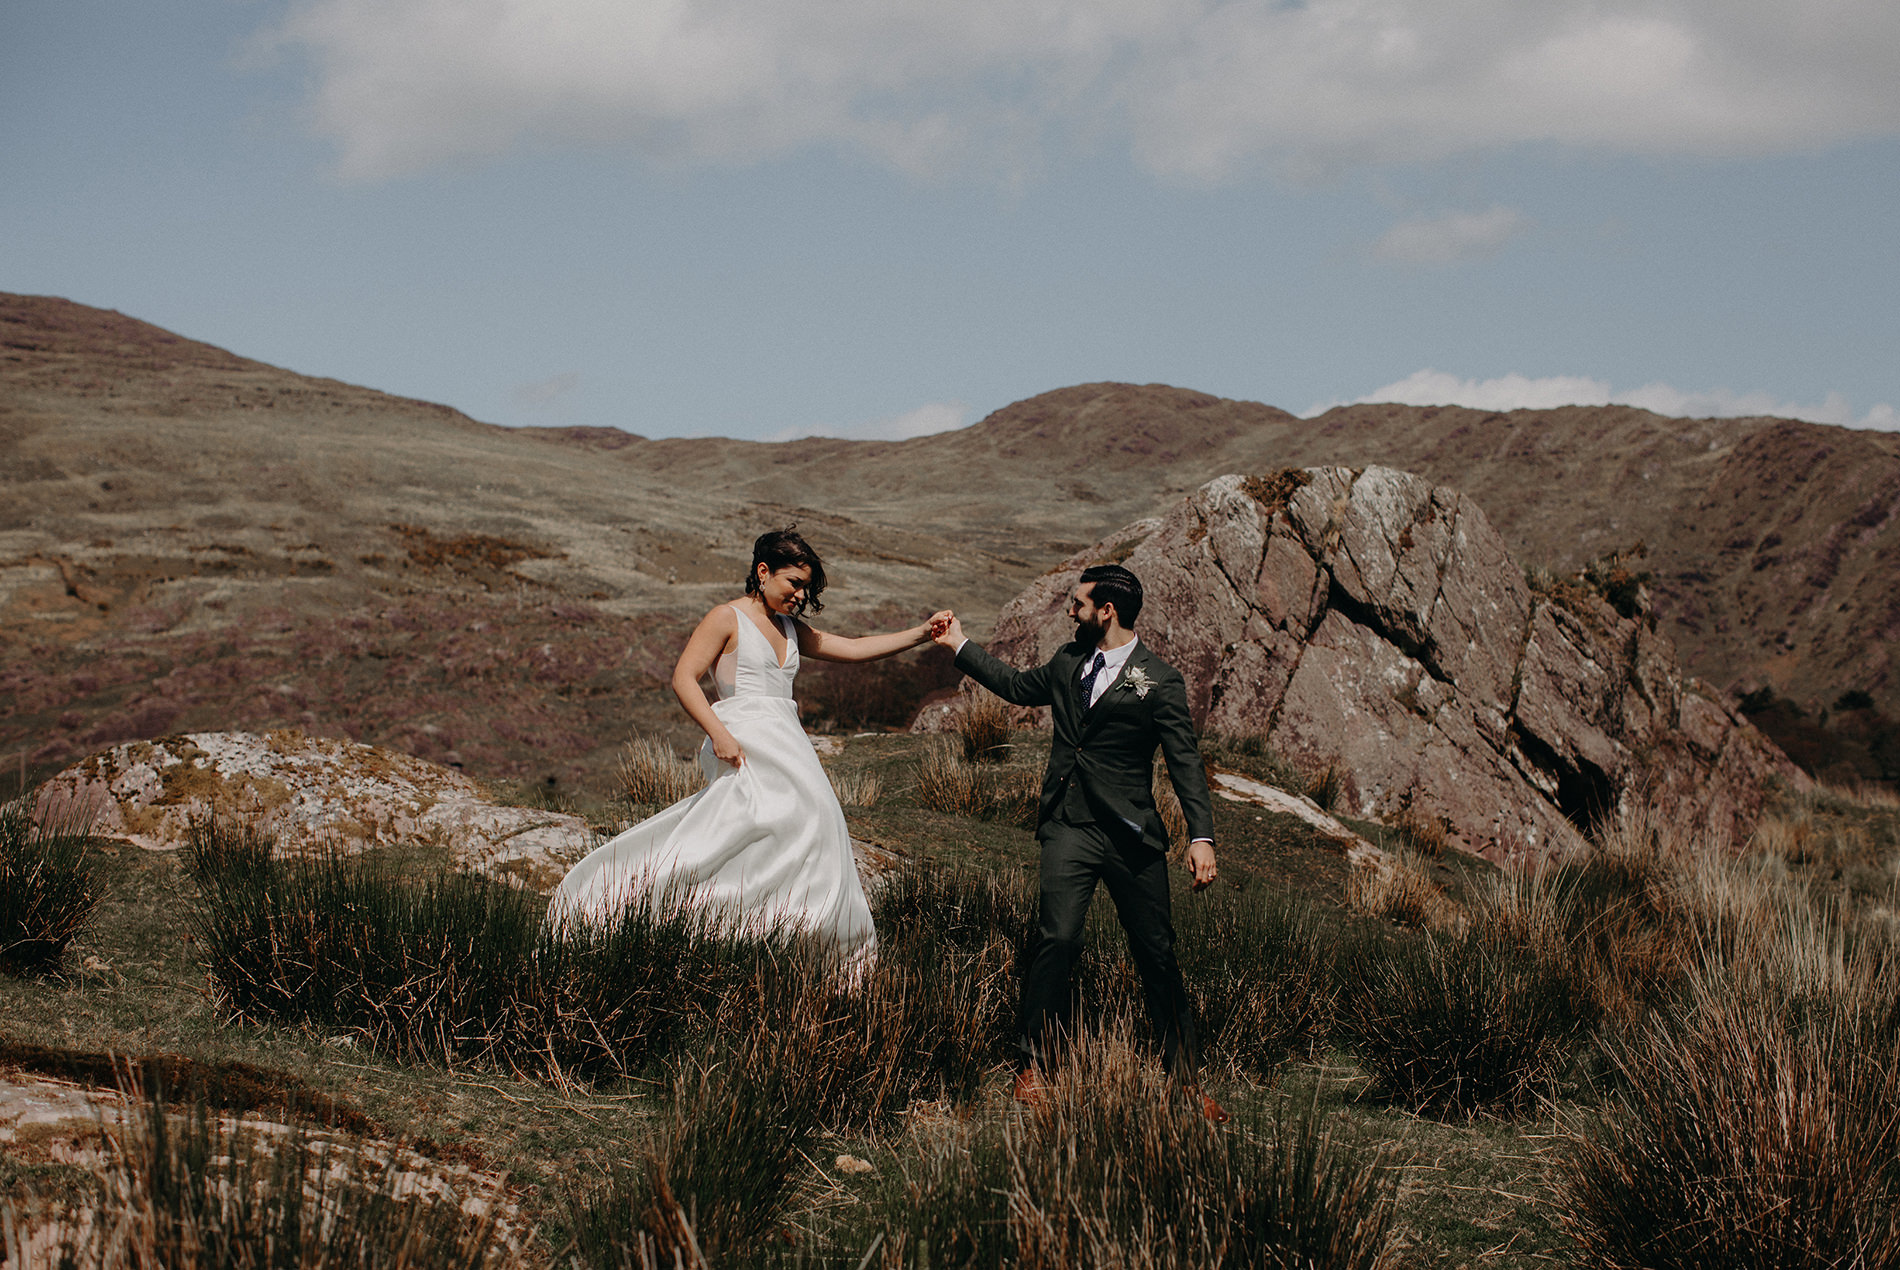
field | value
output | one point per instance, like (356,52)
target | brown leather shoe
(1030,1089)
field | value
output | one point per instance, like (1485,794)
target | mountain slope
(192,539)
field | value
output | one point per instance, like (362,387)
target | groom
(1113,701)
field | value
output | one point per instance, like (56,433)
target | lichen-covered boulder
(1369,617)
(313,793)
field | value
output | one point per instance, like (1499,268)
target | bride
(764,841)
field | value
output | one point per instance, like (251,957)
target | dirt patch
(228,1086)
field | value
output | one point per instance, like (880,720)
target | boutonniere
(1136,678)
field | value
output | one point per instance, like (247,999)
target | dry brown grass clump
(1424,833)
(984,729)
(651,775)
(1327,784)
(185,1188)
(949,784)
(1398,888)
(1119,1168)
(857,789)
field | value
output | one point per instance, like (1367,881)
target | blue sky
(767,218)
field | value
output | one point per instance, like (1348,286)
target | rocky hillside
(190,540)
(1375,623)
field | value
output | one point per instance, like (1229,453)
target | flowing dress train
(764,843)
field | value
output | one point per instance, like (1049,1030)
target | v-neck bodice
(753,669)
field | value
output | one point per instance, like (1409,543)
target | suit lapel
(1070,698)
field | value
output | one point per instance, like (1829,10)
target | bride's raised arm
(825,646)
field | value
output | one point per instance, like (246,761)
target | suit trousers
(1076,854)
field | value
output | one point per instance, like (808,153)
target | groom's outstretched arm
(1018,687)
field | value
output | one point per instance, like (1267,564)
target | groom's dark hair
(781,549)
(1113,584)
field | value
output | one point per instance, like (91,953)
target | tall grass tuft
(456,966)
(953,1211)
(421,968)
(926,1022)
(1610,929)
(1327,784)
(948,783)
(715,1183)
(1456,1025)
(1398,888)
(857,789)
(201,1191)
(48,887)
(1310,1198)
(1121,1169)
(1758,1124)
(651,775)
(984,729)
(1259,969)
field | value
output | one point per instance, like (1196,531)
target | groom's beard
(1089,634)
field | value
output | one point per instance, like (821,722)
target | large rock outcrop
(1370,617)
(313,793)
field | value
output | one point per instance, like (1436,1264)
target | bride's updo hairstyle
(780,549)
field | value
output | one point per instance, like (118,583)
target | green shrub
(48,887)
(1455,1025)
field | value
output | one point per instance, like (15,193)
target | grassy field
(1472,1190)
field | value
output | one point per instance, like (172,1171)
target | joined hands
(945,629)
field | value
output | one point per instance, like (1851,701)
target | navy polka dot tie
(1088,680)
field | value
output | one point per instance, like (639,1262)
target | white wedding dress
(763,844)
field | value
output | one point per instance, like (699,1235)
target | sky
(881,218)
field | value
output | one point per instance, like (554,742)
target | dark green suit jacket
(1108,749)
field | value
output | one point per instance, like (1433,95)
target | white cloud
(544,393)
(937,416)
(1195,87)
(1520,392)
(1447,239)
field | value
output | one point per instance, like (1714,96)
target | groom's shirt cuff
(962,642)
